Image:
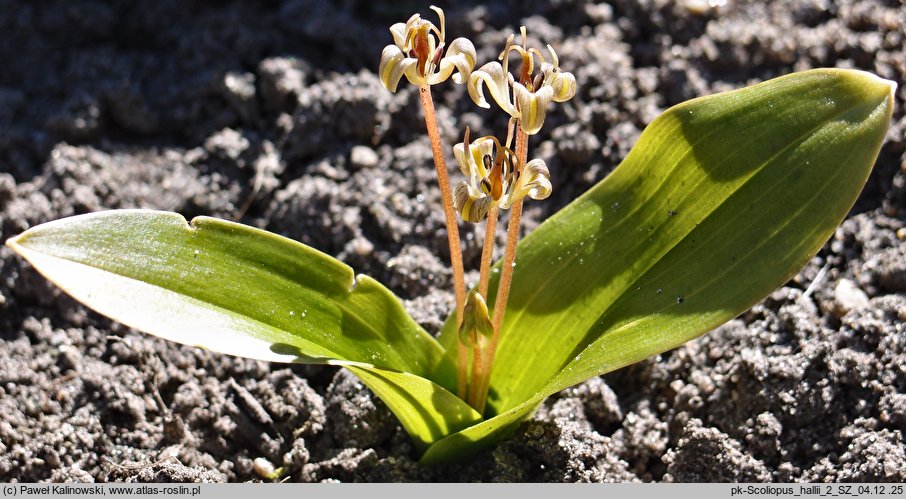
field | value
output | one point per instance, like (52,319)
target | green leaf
(243,291)
(721,201)
(427,411)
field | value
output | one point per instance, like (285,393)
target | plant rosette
(721,201)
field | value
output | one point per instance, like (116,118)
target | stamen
(486,161)
(528,66)
(485,183)
(438,54)
(539,79)
(511,161)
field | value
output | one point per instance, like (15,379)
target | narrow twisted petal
(412,73)
(555,61)
(496,79)
(447,65)
(393,65)
(409,28)
(462,55)
(534,181)
(532,106)
(472,165)
(472,204)
(480,148)
(400,33)
(459,154)
(440,16)
(564,86)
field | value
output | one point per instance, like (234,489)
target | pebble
(362,246)
(701,7)
(848,296)
(263,468)
(363,157)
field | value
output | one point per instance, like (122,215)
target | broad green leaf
(427,411)
(243,291)
(721,201)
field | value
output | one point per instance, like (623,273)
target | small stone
(701,7)
(362,246)
(848,296)
(363,157)
(263,468)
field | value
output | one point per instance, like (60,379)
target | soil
(271,113)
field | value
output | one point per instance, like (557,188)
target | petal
(411,25)
(555,61)
(532,107)
(564,86)
(537,179)
(459,154)
(444,70)
(392,67)
(471,203)
(462,55)
(496,79)
(400,33)
(482,147)
(443,22)
(534,181)
(412,73)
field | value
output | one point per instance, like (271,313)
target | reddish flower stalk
(482,378)
(459,283)
(478,389)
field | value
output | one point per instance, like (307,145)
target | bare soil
(271,113)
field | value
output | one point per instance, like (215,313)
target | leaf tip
(881,86)
(873,86)
(13,243)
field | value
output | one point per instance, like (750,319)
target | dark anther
(539,78)
(438,54)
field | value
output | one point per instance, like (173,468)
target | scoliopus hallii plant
(722,200)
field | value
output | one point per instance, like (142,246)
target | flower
(527,99)
(476,324)
(494,176)
(418,53)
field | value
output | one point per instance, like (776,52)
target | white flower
(418,53)
(528,101)
(494,177)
